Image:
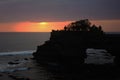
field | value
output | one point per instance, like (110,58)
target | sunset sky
(45,15)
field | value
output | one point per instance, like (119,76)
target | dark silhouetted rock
(1,75)
(12,63)
(18,77)
(69,45)
(25,58)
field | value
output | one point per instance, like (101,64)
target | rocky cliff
(69,45)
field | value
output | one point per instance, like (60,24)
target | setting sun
(43,26)
(43,23)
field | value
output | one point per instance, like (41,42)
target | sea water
(23,66)
(13,45)
(18,48)
(16,41)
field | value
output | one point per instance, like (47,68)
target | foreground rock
(18,77)
(13,63)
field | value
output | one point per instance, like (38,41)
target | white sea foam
(98,56)
(17,53)
(13,69)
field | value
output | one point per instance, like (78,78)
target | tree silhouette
(65,28)
(82,25)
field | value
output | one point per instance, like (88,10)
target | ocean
(17,48)
(16,60)
(15,41)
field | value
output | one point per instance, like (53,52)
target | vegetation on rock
(82,25)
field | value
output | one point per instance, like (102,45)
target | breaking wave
(29,52)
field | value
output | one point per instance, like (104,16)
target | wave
(21,66)
(14,69)
(29,52)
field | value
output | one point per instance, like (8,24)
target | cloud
(57,10)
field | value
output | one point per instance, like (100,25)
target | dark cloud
(58,10)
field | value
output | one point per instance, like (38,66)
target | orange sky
(108,26)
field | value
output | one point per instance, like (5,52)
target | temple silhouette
(69,44)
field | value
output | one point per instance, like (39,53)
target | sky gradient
(26,15)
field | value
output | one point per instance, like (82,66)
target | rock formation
(69,45)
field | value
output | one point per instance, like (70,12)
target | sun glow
(43,23)
(38,26)
(108,26)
